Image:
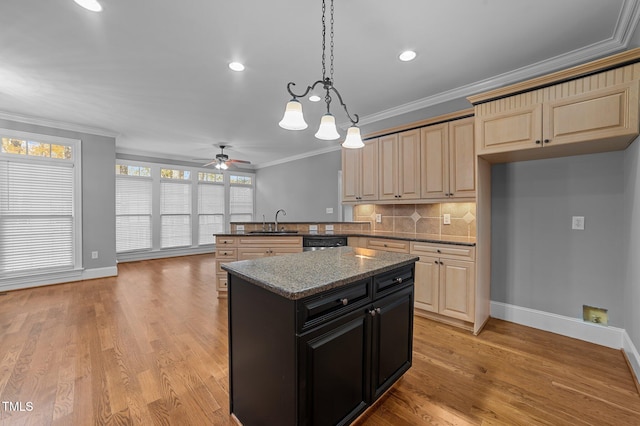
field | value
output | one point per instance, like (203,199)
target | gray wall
(537,260)
(632,243)
(98,191)
(304,188)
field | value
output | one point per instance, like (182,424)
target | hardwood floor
(150,347)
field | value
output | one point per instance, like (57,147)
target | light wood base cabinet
(445,281)
(246,247)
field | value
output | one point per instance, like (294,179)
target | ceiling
(154,73)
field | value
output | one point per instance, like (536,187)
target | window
(168,207)
(241,198)
(133,208)
(175,208)
(40,220)
(210,206)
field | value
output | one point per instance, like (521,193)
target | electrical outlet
(329,228)
(240,228)
(446,219)
(313,228)
(94,254)
(378,218)
(577,222)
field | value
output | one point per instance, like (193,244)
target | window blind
(175,214)
(240,204)
(133,213)
(210,212)
(36,216)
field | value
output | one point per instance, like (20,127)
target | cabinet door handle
(438,250)
(374,312)
(344,301)
(441,262)
(547,141)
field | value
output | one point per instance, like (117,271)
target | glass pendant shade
(353,139)
(222,166)
(327,130)
(293,118)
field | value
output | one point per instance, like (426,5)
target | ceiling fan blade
(210,163)
(239,161)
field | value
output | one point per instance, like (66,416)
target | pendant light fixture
(293,118)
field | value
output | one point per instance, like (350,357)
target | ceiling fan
(222,160)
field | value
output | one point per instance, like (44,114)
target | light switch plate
(446,219)
(313,228)
(577,222)
(329,210)
(240,228)
(329,228)
(378,218)
(94,254)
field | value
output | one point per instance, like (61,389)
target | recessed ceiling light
(91,5)
(236,66)
(407,55)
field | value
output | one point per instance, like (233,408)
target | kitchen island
(316,337)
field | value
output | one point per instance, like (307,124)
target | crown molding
(298,157)
(73,127)
(622,34)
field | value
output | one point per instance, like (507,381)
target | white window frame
(24,277)
(156,250)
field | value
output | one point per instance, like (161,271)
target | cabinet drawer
(445,251)
(225,241)
(222,282)
(219,263)
(315,310)
(388,245)
(390,280)
(270,241)
(226,253)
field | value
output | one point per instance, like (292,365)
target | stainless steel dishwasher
(320,242)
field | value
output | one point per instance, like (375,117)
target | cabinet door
(392,339)
(409,165)
(388,167)
(434,150)
(369,170)
(597,115)
(427,281)
(509,130)
(333,371)
(350,174)
(462,158)
(457,289)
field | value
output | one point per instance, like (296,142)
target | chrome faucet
(283,213)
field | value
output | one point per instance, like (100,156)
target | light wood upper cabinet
(360,172)
(563,114)
(400,166)
(448,160)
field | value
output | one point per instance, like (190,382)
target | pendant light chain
(324,37)
(331,46)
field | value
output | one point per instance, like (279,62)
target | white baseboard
(62,277)
(611,337)
(160,254)
(632,354)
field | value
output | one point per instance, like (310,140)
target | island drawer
(390,281)
(316,310)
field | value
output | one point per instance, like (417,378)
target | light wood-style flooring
(150,348)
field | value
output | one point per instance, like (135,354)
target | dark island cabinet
(320,360)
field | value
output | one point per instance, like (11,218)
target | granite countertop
(425,238)
(304,274)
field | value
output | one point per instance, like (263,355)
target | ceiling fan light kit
(293,118)
(222,160)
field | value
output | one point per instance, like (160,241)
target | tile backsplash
(420,218)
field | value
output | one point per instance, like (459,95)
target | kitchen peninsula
(317,337)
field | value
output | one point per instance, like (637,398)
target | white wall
(303,188)
(537,260)
(631,248)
